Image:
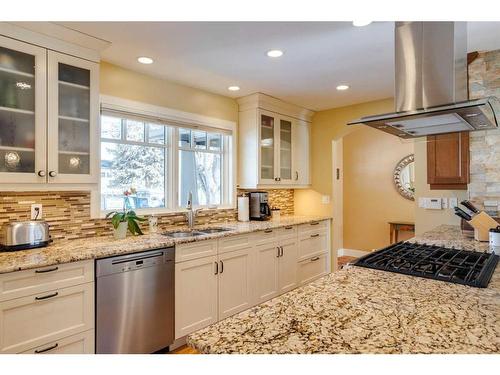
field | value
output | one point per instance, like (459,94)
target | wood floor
(343,260)
(184,350)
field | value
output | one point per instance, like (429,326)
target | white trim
(337,197)
(351,252)
(52,36)
(164,113)
(269,103)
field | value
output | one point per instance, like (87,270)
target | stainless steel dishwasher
(135,302)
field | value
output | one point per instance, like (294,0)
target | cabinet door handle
(52,173)
(268,231)
(41,173)
(47,296)
(279,178)
(47,270)
(315,235)
(315,223)
(314,259)
(288,227)
(296,175)
(46,349)
(216,268)
(221,266)
(281,251)
(278,255)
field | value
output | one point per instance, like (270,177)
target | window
(163,163)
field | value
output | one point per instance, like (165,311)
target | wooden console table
(399,226)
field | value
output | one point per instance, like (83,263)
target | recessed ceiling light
(145,60)
(233,88)
(275,53)
(342,87)
(361,23)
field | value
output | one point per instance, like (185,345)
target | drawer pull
(47,270)
(47,349)
(315,235)
(216,268)
(268,231)
(314,259)
(315,223)
(221,266)
(288,227)
(47,296)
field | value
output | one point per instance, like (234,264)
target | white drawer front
(81,343)
(264,236)
(28,282)
(286,232)
(312,268)
(195,250)
(234,243)
(312,244)
(313,226)
(29,322)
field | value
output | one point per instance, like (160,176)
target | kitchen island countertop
(360,310)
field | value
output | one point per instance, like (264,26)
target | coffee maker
(259,207)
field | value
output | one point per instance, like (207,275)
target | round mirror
(404,177)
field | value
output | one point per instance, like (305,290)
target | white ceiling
(318,56)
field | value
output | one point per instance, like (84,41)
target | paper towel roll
(243,209)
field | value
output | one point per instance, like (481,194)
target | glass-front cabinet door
(285,150)
(267,142)
(22,112)
(73,118)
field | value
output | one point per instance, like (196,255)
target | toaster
(24,235)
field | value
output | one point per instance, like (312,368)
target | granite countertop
(95,247)
(360,310)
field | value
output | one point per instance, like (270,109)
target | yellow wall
(327,126)
(370,198)
(428,219)
(127,84)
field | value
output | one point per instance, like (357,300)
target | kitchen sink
(183,233)
(213,230)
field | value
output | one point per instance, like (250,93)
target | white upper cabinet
(273,143)
(23,109)
(49,113)
(72,119)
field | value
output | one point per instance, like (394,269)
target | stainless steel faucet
(191,214)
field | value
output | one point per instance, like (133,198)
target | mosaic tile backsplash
(68,213)
(484,80)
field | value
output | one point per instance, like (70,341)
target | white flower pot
(121,232)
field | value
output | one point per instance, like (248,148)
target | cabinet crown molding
(269,103)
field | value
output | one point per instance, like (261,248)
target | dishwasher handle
(139,257)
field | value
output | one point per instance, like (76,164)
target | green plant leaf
(137,228)
(109,214)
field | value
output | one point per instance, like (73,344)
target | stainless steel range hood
(431,84)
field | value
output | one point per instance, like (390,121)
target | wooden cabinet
(195,295)
(81,343)
(48,116)
(448,161)
(273,143)
(287,265)
(40,310)
(312,268)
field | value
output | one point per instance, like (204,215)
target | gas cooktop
(434,262)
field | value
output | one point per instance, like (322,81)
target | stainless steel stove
(434,262)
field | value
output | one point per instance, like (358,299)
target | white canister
(495,240)
(153,224)
(243,209)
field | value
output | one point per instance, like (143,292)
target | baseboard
(178,343)
(351,253)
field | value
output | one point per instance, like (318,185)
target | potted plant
(126,219)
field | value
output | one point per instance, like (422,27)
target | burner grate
(434,262)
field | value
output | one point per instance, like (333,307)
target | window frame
(171,120)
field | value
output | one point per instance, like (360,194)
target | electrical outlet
(36,211)
(445,203)
(422,202)
(325,199)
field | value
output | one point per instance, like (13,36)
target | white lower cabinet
(195,295)
(235,282)
(243,271)
(287,265)
(266,270)
(82,343)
